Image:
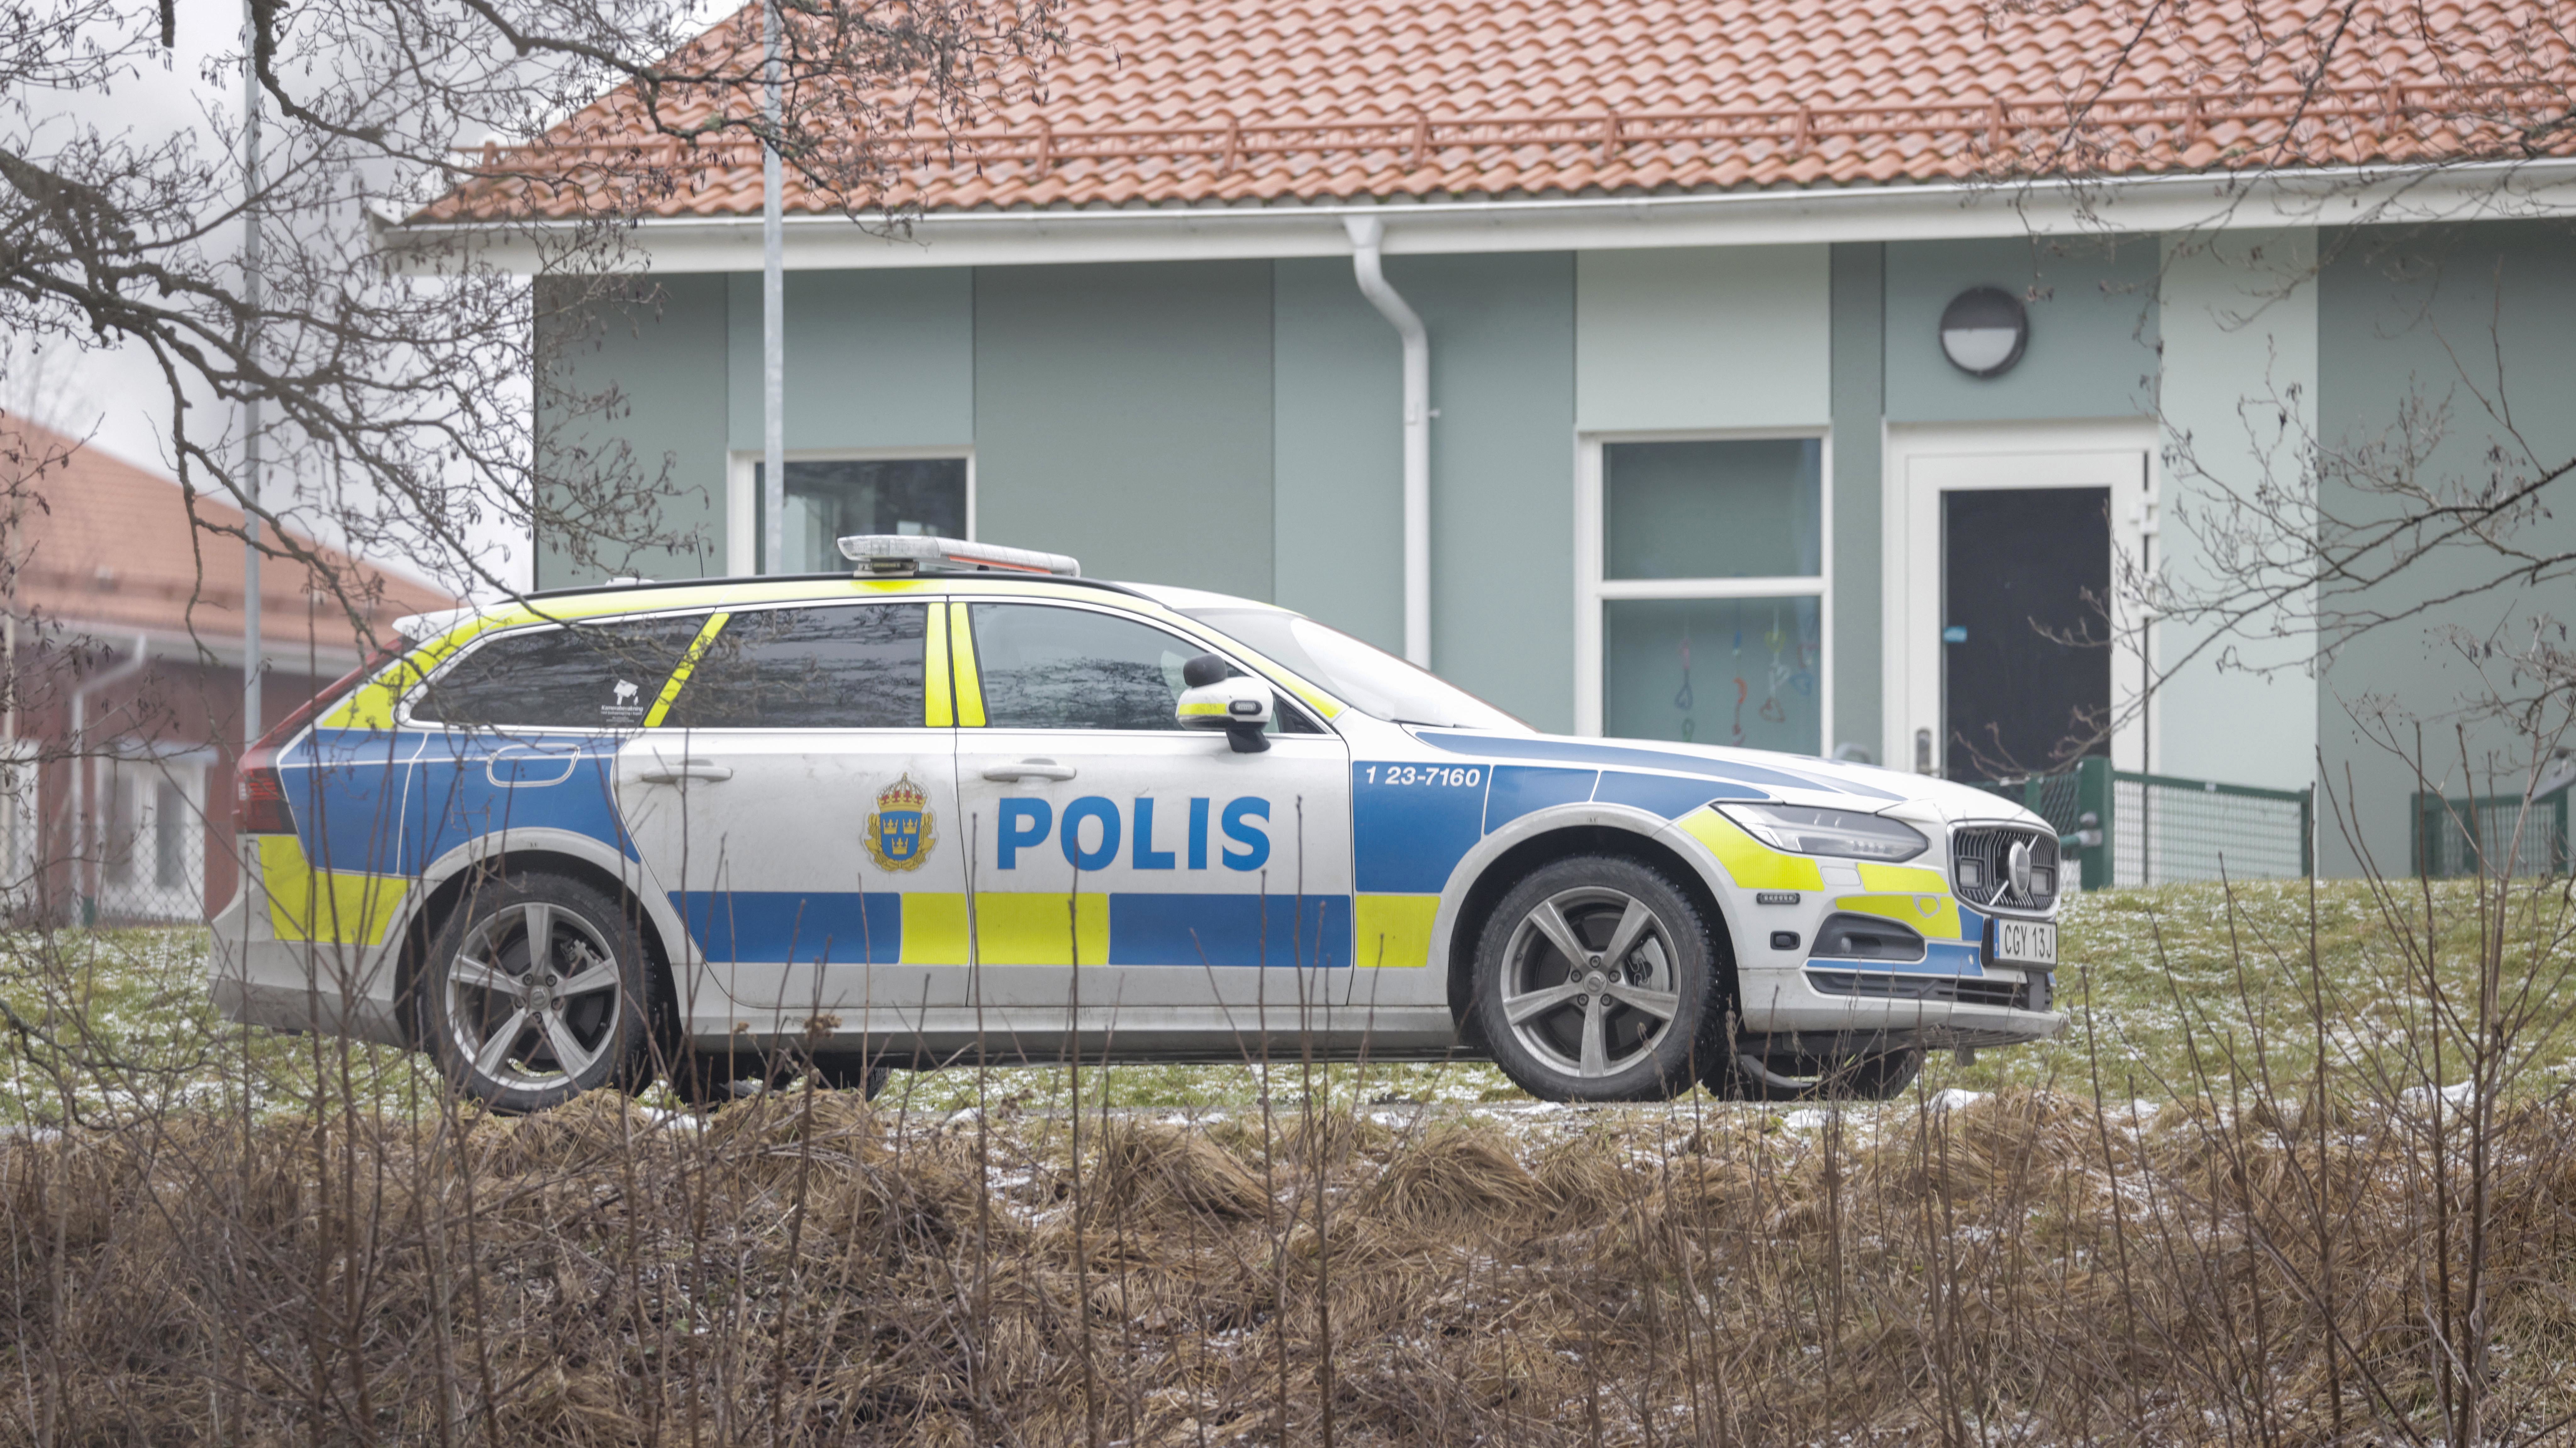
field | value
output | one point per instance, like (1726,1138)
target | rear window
(566,676)
(845,666)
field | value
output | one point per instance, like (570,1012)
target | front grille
(1980,857)
(2018,995)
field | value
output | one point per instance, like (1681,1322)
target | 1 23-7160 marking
(1437,775)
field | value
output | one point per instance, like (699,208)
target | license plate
(2025,942)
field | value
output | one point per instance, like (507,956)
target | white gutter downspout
(1366,233)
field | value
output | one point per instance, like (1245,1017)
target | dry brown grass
(2308,1244)
(804,1269)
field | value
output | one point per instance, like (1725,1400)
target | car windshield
(1370,679)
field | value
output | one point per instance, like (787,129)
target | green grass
(2171,989)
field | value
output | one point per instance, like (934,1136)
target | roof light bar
(887,554)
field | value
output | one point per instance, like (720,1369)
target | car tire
(1596,980)
(520,1025)
(1874,1076)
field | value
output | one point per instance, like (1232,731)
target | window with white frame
(829,498)
(1704,593)
(150,840)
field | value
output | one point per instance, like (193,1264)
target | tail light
(259,789)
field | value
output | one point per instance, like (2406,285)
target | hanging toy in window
(1682,697)
(1742,690)
(1804,680)
(1777,639)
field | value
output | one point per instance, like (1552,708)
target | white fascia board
(2127,206)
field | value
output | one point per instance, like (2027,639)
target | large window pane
(1736,509)
(827,501)
(1713,671)
(848,666)
(1070,668)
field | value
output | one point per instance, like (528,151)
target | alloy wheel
(1589,984)
(534,997)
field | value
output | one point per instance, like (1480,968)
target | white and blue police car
(967,805)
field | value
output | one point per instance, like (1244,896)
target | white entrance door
(1923,468)
(1176,884)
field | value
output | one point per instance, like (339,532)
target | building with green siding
(1701,464)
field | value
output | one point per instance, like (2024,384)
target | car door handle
(1028,769)
(676,772)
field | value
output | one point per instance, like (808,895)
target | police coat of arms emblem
(901,832)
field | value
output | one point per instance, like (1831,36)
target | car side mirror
(1240,706)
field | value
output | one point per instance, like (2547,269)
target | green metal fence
(2493,834)
(2127,828)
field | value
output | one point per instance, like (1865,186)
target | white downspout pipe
(1366,234)
(773,313)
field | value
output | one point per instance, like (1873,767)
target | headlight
(1803,830)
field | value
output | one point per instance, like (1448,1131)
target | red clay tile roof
(1214,101)
(112,549)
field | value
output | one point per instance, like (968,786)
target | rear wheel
(1595,981)
(535,991)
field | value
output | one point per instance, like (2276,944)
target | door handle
(1028,769)
(676,772)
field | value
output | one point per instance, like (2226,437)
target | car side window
(567,676)
(1073,668)
(841,666)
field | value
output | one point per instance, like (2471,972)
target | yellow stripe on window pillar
(961,655)
(671,686)
(938,705)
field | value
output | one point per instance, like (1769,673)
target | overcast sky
(118,397)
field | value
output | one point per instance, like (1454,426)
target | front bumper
(1786,1004)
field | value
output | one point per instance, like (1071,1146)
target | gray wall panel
(2239,320)
(658,363)
(1123,415)
(2092,346)
(2438,322)
(875,359)
(1859,401)
(1338,453)
(1702,337)
(1502,466)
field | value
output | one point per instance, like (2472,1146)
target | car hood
(1754,773)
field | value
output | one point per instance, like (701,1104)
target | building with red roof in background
(124,645)
(1776,373)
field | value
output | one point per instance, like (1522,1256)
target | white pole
(250,405)
(773,322)
(1367,233)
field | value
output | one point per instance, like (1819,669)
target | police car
(967,805)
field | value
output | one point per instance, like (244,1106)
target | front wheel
(1596,981)
(535,991)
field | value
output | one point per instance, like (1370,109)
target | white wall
(2238,402)
(1720,337)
